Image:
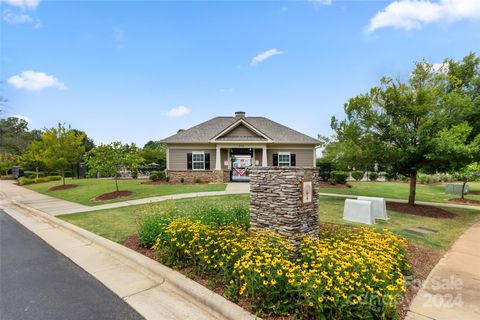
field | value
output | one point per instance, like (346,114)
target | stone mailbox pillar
(285,200)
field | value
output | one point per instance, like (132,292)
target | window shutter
(293,163)
(207,161)
(189,161)
(275,159)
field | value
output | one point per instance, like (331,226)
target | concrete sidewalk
(433,204)
(452,289)
(53,206)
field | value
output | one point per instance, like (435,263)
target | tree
(15,136)
(62,147)
(109,160)
(155,152)
(410,123)
(7,161)
(468,173)
(34,156)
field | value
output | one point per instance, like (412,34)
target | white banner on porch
(358,211)
(379,207)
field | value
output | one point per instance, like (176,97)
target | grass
(117,224)
(399,190)
(331,211)
(90,188)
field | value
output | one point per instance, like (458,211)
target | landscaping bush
(390,176)
(197,180)
(373,176)
(151,223)
(6,177)
(346,274)
(357,175)
(157,175)
(24,180)
(33,174)
(340,176)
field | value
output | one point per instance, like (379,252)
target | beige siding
(303,157)
(258,156)
(178,158)
(240,131)
(224,156)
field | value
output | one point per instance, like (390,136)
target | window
(284,159)
(198,160)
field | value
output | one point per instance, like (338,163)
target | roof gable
(240,130)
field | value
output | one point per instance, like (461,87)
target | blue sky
(140,70)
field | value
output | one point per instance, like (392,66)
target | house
(223,148)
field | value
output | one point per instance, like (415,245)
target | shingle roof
(205,131)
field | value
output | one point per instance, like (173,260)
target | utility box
(455,188)
(17,172)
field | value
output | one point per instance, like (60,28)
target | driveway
(37,282)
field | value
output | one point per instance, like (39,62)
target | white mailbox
(379,207)
(358,211)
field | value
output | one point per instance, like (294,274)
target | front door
(240,165)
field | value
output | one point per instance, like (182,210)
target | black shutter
(275,159)
(189,161)
(292,160)
(207,161)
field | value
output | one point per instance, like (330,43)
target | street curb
(197,293)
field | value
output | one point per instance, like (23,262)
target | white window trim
(193,162)
(289,154)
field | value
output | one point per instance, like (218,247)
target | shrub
(6,177)
(339,176)
(197,180)
(152,223)
(357,175)
(390,176)
(324,175)
(182,180)
(342,275)
(332,181)
(157,175)
(24,181)
(373,176)
(134,173)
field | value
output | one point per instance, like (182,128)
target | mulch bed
(465,201)
(63,187)
(422,260)
(113,195)
(337,186)
(420,210)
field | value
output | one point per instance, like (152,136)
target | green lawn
(90,188)
(398,190)
(116,224)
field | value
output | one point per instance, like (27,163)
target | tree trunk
(116,183)
(413,188)
(63,176)
(463,188)
(36,170)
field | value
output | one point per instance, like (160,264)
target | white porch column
(264,156)
(168,159)
(218,162)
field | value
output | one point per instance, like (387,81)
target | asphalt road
(39,283)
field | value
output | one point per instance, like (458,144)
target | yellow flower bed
(346,273)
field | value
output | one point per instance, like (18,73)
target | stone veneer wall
(276,201)
(189,176)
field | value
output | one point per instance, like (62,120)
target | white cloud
(264,56)
(413,14)
(321,2)
(23,4)
(16,18)
(35,81)
(179,111)
(19,116)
